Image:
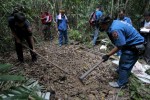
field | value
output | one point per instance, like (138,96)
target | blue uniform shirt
(62,23)
(127,19)
(123,34)
(98,14)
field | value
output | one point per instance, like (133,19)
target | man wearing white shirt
(147,20)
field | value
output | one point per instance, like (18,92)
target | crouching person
(127,39)
(21,30)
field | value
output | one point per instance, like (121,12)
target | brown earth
(75,59)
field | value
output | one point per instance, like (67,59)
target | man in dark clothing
(46,19)
(21,30)
(146,24)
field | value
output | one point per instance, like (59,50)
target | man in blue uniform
(122,16)
(21,30)
(98,15)
(61,27)
(127,39)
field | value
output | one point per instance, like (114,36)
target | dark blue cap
(105,19)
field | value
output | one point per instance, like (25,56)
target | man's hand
(105,58)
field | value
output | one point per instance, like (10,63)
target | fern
(14,87)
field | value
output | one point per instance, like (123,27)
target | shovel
(89,71)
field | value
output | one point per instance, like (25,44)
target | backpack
(92,19)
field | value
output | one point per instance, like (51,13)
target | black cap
(99,6)
(105,19)
(19,17)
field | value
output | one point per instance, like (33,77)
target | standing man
(123,17)
(46,20)
(97,15)
(126,38)
(61,27)
(146,24)
(21,30)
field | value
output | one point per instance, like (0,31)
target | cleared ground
(75,59)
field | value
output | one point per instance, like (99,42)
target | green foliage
(78,12)
(32,10)
(5,77)
(121,93)
(14,87)
(4,67)
(11,78)
(22,92)
(139,90)
(75,35)
(88,44)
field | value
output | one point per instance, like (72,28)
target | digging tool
(46,59)
(89,71)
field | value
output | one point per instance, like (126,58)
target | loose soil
(76,60)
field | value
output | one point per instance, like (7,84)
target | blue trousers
(63,36)
(126,63)
(96,32)
(119,53)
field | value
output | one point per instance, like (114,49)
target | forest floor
(76,59)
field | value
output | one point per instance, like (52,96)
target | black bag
(140,48)
(92,19)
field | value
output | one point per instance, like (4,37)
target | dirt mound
(75,59)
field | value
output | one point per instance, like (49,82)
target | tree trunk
(126,3)
(112,6)
(146,6)
(118,4)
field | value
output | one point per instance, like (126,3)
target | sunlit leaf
(11,78)
(4,67)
